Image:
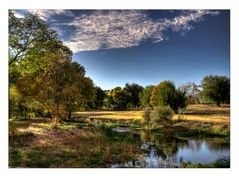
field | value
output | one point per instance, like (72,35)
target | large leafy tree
(26,34)
(132,91)
(216,88)
(116,99)
(41,70)
(77,90)
(166,94)
(99,99)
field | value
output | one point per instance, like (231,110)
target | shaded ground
(38,145)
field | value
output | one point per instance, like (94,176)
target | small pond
(159,151)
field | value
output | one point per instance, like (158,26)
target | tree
(191,91)
(166,94)
(26,34)
(216,88)
(99,99)
(43,72)
(117,99)
(132,91)
(144,95)
(79,91)
(146,115)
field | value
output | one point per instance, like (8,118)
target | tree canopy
(132,92)
(145,95)
(41,72)
(216,88)
(166,94)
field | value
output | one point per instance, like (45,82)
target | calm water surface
(165,152)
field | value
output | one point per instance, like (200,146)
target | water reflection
(166,152)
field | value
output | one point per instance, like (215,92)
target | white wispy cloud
(118,29)
(123,29)
(44,14)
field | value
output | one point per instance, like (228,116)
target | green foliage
(220,163)
(158,116)
(145,95)
(42,76)
(117,99)
(99,99)
(123,98)
(166,94)
(161,115)
(181,113)
(146,115)
(27,34)
(132,91)
(216,89)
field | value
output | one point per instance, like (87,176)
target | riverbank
(80,144)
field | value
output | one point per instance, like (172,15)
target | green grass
(88,142)
(197,120)
(67,146)
(221,163)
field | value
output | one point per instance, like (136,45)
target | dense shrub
(146,115)
(160,115)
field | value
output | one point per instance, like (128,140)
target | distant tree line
(213,89)
(44,81)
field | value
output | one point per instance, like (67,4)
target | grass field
(201,113)
(79,143)
(35,144)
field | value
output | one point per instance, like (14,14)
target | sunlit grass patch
(199,112)
(68,146)
(204,118)
(124,115)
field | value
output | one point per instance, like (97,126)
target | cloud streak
(123,29)
(118,29)
(43,13)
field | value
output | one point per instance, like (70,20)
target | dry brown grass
(38,145)
(200,112)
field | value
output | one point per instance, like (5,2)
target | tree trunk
(69,115)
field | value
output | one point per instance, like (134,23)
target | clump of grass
(220,163)
(181,114)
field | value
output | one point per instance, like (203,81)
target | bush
(161,115)
(146,115)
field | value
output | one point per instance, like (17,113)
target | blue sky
(144,46)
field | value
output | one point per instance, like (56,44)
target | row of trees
(45,81)
(213,89)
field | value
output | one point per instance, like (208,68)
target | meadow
(88,140)
(198,112)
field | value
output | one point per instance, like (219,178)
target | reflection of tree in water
(194,145)
(161,149)
(218,144)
